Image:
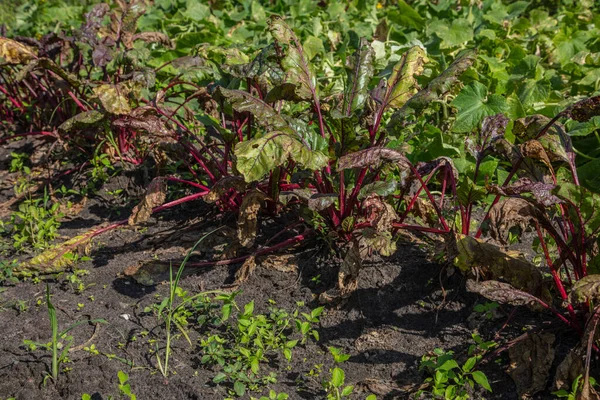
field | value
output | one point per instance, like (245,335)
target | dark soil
(398,314)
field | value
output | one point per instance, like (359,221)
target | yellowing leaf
(14,52)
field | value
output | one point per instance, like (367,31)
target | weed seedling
(335,385)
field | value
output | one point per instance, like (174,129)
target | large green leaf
(474,104)
(256,157)
(452,34)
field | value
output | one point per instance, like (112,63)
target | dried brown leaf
(586,289)
(281,263)
(223,186)
(584,110)
(530,363)
(371,157)
(534,149)
(153,37)
(501,292)
(247,219)
(245,270)
(542,192)
(156,193)
(14,52)
(492,263)
(349,271)
(569,369)
(510,212)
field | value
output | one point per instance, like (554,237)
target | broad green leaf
(256,157)
(360,71)
(481,379)
(239,388)
(404,15)
(338,377)
(452,34)
(474,104)
(295,64)
(312,46)
(402,84)
(196,10)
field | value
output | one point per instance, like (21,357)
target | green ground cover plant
(462,121)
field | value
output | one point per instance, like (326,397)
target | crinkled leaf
(156,194)
(223,186)
(247,219)
(501,292)
(542,192)
(494,264)
(435,89)
(295,64)
(256,157)
(381,188)
(82,120)
(530,363)
(510,212)
(586,289)
(360,71)
(370,157)
(115,98)
(242,101)
(14,52)
(320,201)
(402,84)
(473,104)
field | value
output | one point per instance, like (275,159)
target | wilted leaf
(556,143)
(146,119)
(380,241)
(380,214)
(320,201)
(371,157)
(57,258)
(360,71)
(584,110)
(153,37)
(223,186)
(247,219)
(297,68)
(281,263)
(501,292)
(435,89)
(402,84)
(530,363)
(349,271)
(115,98)
(256,157)
(542,192)
(381,188)
(570,368)
(494,264)
(510,212)
(81,120)
(247,269)
(156,193)
(586,289)
(14,52)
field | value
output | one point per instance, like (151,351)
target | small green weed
(124,389)
(576,388)
(450,381)
(335,384)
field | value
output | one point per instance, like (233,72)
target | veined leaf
(586,289)
(295,64)
(474,104)
(360,71)
(242,101)
(402,84)
(82,120)
(435,89)
(256,157)
(115,98)
(14,52)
